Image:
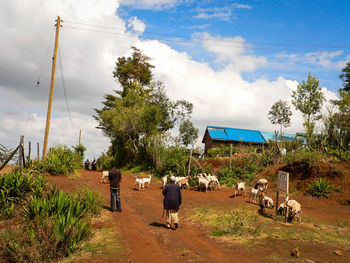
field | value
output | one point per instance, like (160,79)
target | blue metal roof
(233,134)
(286,136)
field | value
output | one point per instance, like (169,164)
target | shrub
(307,158)
(61,160)
(92,200)
(320,188)
(237,222)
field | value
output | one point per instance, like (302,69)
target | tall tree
(188,133)
(280,114)
(345,77)
(138,113)
(308,99)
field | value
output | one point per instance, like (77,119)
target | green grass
(245,225)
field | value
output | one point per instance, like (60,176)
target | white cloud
(222,13)
(241,6)
(324,59)
(137,25)
(150,4)
(234,51)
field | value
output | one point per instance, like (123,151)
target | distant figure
(172,202)
(115,178)
(93,165)
(87,164)
(283,152)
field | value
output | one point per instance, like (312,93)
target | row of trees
(308,99)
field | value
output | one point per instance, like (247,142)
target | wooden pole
(277,196)
(49,106)
(230,156)
(189,164)
(20,153)
(38,151)
(29,150)
(80,137)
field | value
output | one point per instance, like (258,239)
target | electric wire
(64,86)
(200,43)
(37,84)
(213,39)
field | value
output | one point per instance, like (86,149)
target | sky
(231,59)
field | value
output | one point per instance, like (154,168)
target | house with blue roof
(215,136)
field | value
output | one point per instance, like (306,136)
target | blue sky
(308,23)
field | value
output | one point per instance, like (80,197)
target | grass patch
(246,225)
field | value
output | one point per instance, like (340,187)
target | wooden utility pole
(231,157)
(80,137)
(29,150)
(49,106)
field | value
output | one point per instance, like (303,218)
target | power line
(213,39)
(199,43)
(64,86)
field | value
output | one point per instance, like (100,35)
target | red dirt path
(144,238)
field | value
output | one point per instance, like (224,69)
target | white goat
(281,209)
(147,180)
(104,176)
(164,180)
(293,209)
(266,201)
(255,193)
(139,183)
(203,181)
(212,179)
(263,183)
(240,187)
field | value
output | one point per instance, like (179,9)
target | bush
(306,158)
(61,160)
(320,188)
(173,161)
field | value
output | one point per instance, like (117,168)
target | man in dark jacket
(115,177)
(172,202)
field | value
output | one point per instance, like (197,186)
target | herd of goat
(289,208)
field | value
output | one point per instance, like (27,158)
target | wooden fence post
(189,164)
(29,150)
(38,152)
(20,153)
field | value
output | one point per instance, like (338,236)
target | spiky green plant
(320,188)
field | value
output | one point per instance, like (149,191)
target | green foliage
(173,161)
(345,77)
(79,150)
(280,114)
(308,99)
(238,223)
(91,199)
(320,188)
(220,151)
(188,133)
(61,160)
(306,158)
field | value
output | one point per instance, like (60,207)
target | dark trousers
(115,194)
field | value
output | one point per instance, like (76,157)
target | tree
(141,111)
(308,99)
(345,77)
(188,133)
(79,149)
(280,114)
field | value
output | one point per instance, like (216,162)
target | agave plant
(320,188)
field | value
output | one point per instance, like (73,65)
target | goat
(266,201)
(281,209)
(255,193)
(183,182)
(240,187)
(212,179)
(203,181)
(139,183)
(147,180)
(263,183)
(104,175)
(164,180)
(293,209)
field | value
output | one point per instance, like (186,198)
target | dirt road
(143,235)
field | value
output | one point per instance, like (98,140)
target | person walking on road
(172,202)
(115,177)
